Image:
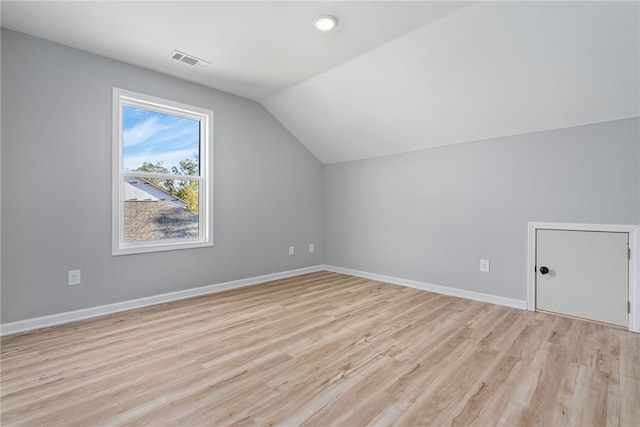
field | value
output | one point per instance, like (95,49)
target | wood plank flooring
(323,349)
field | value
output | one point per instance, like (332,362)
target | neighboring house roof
(151,213)
(153,220)
(139,189)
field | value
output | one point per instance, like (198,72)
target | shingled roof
(140,189)
(153,220)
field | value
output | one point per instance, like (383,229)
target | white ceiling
(488,70)
(256,48)
(394,77)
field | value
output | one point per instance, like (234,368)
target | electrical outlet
(292,250)
(74,277)
(311,247)
(484,265)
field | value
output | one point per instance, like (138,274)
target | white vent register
(188,59)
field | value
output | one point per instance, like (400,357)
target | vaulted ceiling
(393,76)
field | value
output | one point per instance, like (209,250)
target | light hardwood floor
(323,349)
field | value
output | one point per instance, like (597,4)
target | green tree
(187,167)
(188,190)
(189,193)
(184,189)
(166,184)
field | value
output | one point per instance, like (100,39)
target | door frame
(634,263)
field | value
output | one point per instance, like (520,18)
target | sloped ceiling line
(489,70)
(394,77)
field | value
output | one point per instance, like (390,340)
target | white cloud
(141,132)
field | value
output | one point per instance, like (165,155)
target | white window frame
(120,246)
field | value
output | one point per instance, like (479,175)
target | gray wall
(431,215)
(427,216)
(56,186)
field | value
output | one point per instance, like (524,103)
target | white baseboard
(87,313)
(476,296)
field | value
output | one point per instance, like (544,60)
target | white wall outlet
(74,277)
(292,250)
(484,265)
(311,247)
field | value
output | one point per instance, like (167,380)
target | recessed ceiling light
(326,22)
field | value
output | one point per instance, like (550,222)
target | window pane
(157,209)
(158,142)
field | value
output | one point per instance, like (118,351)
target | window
(162,153)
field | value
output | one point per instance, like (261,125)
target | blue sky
(151,137)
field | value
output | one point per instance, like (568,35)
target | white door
(583,274)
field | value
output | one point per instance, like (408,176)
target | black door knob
(544,270)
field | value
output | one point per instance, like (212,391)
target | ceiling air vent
(188,59)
